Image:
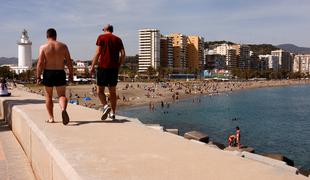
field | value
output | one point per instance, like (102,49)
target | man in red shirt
(111,54)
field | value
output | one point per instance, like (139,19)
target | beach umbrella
(72,101)
(86,98)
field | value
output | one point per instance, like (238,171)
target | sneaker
(112,116)
(65,117)
(106,110)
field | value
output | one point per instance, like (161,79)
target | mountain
(5,60)
(294,49)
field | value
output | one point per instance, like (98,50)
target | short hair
(51,33)
(237,128)
(109,28)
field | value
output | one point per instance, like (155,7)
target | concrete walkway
(89,148)
(14,164)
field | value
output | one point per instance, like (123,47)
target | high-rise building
(231,59)
(179,42)
(215,61)
(302,63)
(271,62)
(244,58)
(285,59)
(149,49)
(195,52)
(166,52)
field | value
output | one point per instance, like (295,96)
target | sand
(146,93)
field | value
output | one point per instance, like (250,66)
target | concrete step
(13,161)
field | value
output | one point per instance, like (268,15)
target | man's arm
(69,63)
(95,60)
(122,57)
(40,64)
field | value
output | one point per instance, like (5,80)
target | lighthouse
(24,51)
(24,54)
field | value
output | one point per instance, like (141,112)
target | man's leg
(63,101)
(113,100)
(49,102)
(101,95)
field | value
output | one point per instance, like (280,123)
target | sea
(271,120)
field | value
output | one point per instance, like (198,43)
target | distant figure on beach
(111,54)
(238,136)
(53,56)
(4,88)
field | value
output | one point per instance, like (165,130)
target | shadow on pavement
(78,123)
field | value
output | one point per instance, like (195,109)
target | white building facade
(302,63)
(272,62)
(149,49)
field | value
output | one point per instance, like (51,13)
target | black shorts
(107,77)
(54,78)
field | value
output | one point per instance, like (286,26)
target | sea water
(272,120)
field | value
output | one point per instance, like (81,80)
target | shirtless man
(52,59)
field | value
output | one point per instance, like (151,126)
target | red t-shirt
(111,46)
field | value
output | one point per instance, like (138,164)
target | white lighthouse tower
(24,54)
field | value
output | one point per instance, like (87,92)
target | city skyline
(79,23)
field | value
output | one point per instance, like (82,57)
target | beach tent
(86,98)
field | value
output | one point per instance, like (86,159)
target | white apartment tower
(149,49)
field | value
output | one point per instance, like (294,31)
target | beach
(147,93)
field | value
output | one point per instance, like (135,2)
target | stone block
(219,145)
(242,149)
(198,136)
(280,157)
(173,131)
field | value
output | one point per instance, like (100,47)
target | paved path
(89,148)
(13,162)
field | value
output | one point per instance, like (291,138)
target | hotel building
(179,42)
(195,52)
(302,63)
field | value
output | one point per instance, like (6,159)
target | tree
(150,72)
(5,72)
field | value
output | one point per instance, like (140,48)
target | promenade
(89,148)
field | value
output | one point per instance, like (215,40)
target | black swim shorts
(54,78)
(107,77)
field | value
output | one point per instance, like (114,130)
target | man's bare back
(54,54)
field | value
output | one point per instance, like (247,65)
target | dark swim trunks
(107,77)
(54,78)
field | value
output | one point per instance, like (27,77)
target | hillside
(261,49)
(5,60)
(294,49)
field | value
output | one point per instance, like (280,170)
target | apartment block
(285,59)
(302,64)
(271,62)
(231,59)
(244,58)
(179,42)
(149,49)
(166,52)
(195,52)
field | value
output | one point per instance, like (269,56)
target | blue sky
(79,22)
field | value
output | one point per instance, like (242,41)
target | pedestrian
(111,55)
(53,56)
(4,88)
(238,136)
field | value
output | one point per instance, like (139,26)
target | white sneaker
(112,116)
(106,110)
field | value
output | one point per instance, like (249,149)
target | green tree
(6,72)
(150,72)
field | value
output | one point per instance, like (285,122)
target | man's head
(51,34)
(237,128)
(108,28)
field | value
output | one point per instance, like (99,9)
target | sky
(79,22)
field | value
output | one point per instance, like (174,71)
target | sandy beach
(147,93)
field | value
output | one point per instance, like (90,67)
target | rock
(281,158)
(198,136)
(242,149)
(173,131)
(155,126)
(219,145)
(305,172)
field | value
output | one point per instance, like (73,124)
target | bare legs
(61,92)
(102,96)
